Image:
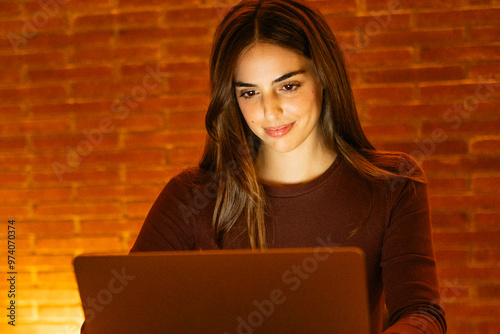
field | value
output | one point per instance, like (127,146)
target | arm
(409,266)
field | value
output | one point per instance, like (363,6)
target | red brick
(68,5)
(138,210)
(466,238)
(488,291)
(99,21)
(67,110)
(8,178)
(53,297)
(186,120)
(168,3)
(395,21)
(325,6)
(446,185)
(458,327)
(194,51)
(23,246)
(25,280)
(46,261)
(9,76)
(473,310)
(486,184)
(9,8)
(486,127)
(33,127)
(48,227)
(389,92)
(178,102)
(65,245)
(187,16)
(40,195)
(452,257)
(124,193)
(60,142)
(415,74)
(455,202)
(485,70)
(391,131)
(85,40)
(165,139)
(76,73)
(17,211)
(116,54)
(33,93)
(460,53)
(77,210)
(487,255)
(32,59)
(459,17)
(188,155)
(87,177)
(485,34)
(486,146)
(488,327)
(13,144)
(407,38)
(427,147)
(152,176)
(487,219)
(129,157)
(133,122)
(136,90)
(383,4)
(113,227)
(450,90)
(407,111)
(58,313)
(468,273)
(57,280)
(188,85)
(177,69)
(20,27)
(8,111)
(449,220)
(452,291)
(155,35)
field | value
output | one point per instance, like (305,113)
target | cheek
(250,112)
(248,115)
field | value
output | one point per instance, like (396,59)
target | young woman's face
(280,97)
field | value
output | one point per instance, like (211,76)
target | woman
(286,163)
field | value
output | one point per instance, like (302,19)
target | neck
(301,165)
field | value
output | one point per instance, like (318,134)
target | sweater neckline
(300,189)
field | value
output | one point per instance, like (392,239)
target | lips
(279,131)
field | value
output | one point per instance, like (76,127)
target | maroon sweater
(396,238)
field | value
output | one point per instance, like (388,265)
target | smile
(279,131)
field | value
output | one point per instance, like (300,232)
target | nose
(271,106)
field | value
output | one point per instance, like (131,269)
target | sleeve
(409,266)
(169,223)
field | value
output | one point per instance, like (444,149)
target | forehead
(264,61)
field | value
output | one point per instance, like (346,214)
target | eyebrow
(282,78)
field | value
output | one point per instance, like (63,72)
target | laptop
(304,290)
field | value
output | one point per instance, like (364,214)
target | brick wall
(102,101)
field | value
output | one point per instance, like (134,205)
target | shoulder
(187,183)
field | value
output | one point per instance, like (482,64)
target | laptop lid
(307,290)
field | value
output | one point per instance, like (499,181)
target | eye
(248,94)
(290,87)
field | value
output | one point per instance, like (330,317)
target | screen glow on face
(279,96)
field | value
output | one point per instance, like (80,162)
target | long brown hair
(231,146)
